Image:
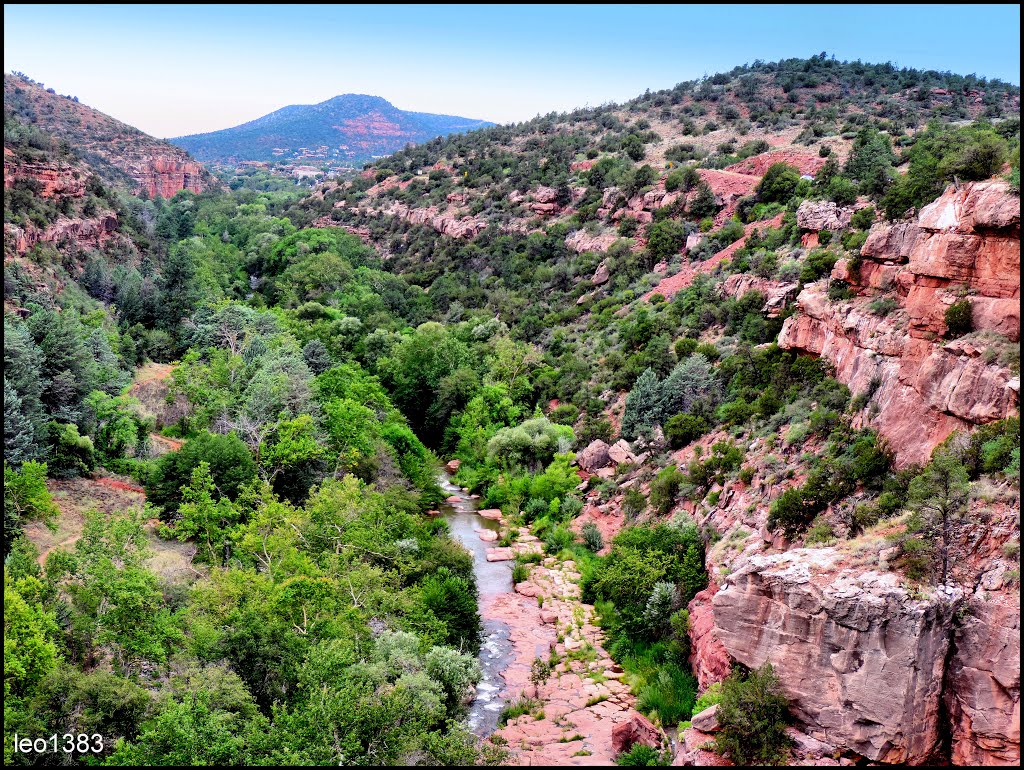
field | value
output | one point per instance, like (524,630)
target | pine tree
(643,405)
(19,432)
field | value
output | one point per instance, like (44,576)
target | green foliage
(665,239)
(592,537)
(752,715)
(958,318)
(230,467)
(26,498)
(778,184)
(642,755)
(665,488)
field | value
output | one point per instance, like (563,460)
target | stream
(492,579)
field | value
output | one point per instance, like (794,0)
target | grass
(515,709)
(597,699)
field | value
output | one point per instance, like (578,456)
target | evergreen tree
(19,432)
(643,405)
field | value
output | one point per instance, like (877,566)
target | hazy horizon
(180,70)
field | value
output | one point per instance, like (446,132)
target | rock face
(52,180)
(983,698)
(967,240)
(445,224)
(823,215)
(860,659)
(776,293)
(92,232)
(166,176)
(925,388)
(708,658)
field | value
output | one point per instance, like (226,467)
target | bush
(665,487)
(592,537)
(883,306)
(778,183)
(558,539)
(683,429)
(642,755)
(231,467)
(633,503)
(958,318)
(752,716)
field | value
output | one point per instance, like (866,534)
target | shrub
(633,503)
(231,467)
(642,755)
(752,716)
(863,219)
(558,539)
(683,429)
(883,306)
(665,487)
(958,318)
(592,538)
(778,183)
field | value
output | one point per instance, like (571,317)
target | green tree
(752,716)
(778,184)
(938,499)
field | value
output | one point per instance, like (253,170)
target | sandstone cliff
(861,660)
(966,243)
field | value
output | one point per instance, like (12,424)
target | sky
(184,69)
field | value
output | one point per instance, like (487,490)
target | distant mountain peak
(345,130)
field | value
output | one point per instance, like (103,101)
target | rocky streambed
(582,714)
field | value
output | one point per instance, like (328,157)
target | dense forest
(320,356)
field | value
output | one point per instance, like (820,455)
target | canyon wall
(964,245)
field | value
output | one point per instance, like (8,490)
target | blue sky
(173,70)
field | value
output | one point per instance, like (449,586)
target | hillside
(120,154)
(345,131)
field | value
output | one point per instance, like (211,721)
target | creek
(492,579)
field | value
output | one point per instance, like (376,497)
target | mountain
(347,130)
(120,154)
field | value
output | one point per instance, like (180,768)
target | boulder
(594,456)
(620,452)
(636,729)
(707,720)
(452,466)
(488,535)
(823,215)
(494,514)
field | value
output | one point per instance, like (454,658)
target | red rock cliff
(967,243)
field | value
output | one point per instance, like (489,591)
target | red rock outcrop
(966,241)
(823,215)
(92,232)
(166,176)
(804,162)
(445,224)
(860,659)
(925,389)
(983,696)
(581,241)
(54,180)
(776,293)
(708,657)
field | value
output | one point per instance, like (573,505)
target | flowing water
(492,579)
